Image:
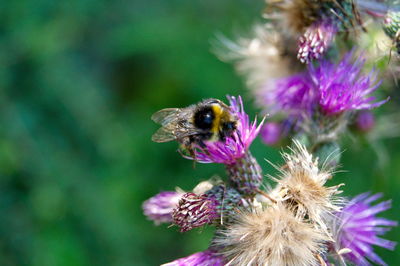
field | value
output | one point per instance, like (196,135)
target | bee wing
(173,131)
(163,134)
(166,116)
(175,124)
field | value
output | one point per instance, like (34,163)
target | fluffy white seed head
(261,59)
(271,236)
(301,187)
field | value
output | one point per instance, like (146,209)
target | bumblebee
(210,120)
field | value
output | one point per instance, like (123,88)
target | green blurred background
(79,81)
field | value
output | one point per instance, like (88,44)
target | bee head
(227,129)
(229,126)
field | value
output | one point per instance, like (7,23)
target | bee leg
(203,146)
(187,143)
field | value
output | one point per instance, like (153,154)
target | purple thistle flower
(195,211)
(234,147)
(365,121)
(159,208)
(330,88)
(204,258)
(272,133)
(293,94)
(359,229)
(342,88)
(315,41)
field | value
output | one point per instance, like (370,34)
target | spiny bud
(315,41)
(245,174)
(229,200)
(195,211)
(391,24)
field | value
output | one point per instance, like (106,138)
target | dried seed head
(261,58)
(293,15)
(272,236)
(301,187)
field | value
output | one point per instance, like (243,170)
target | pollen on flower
(271,236)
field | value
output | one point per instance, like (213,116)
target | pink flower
(204,258)
(159,208)
(235,146)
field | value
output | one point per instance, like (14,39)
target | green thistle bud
(245,174)
(391,24)
(229,200)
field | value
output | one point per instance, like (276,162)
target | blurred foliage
(79,81)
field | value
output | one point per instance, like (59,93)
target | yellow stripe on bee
(218,112)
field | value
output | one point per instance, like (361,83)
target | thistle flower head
(364,121)
(195,211)
(315,41)
(272,133)
(342,87)
(206,258)
(271,236)
(159,208)
(302,189)
(328,88)
(234,147)
(358,229)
